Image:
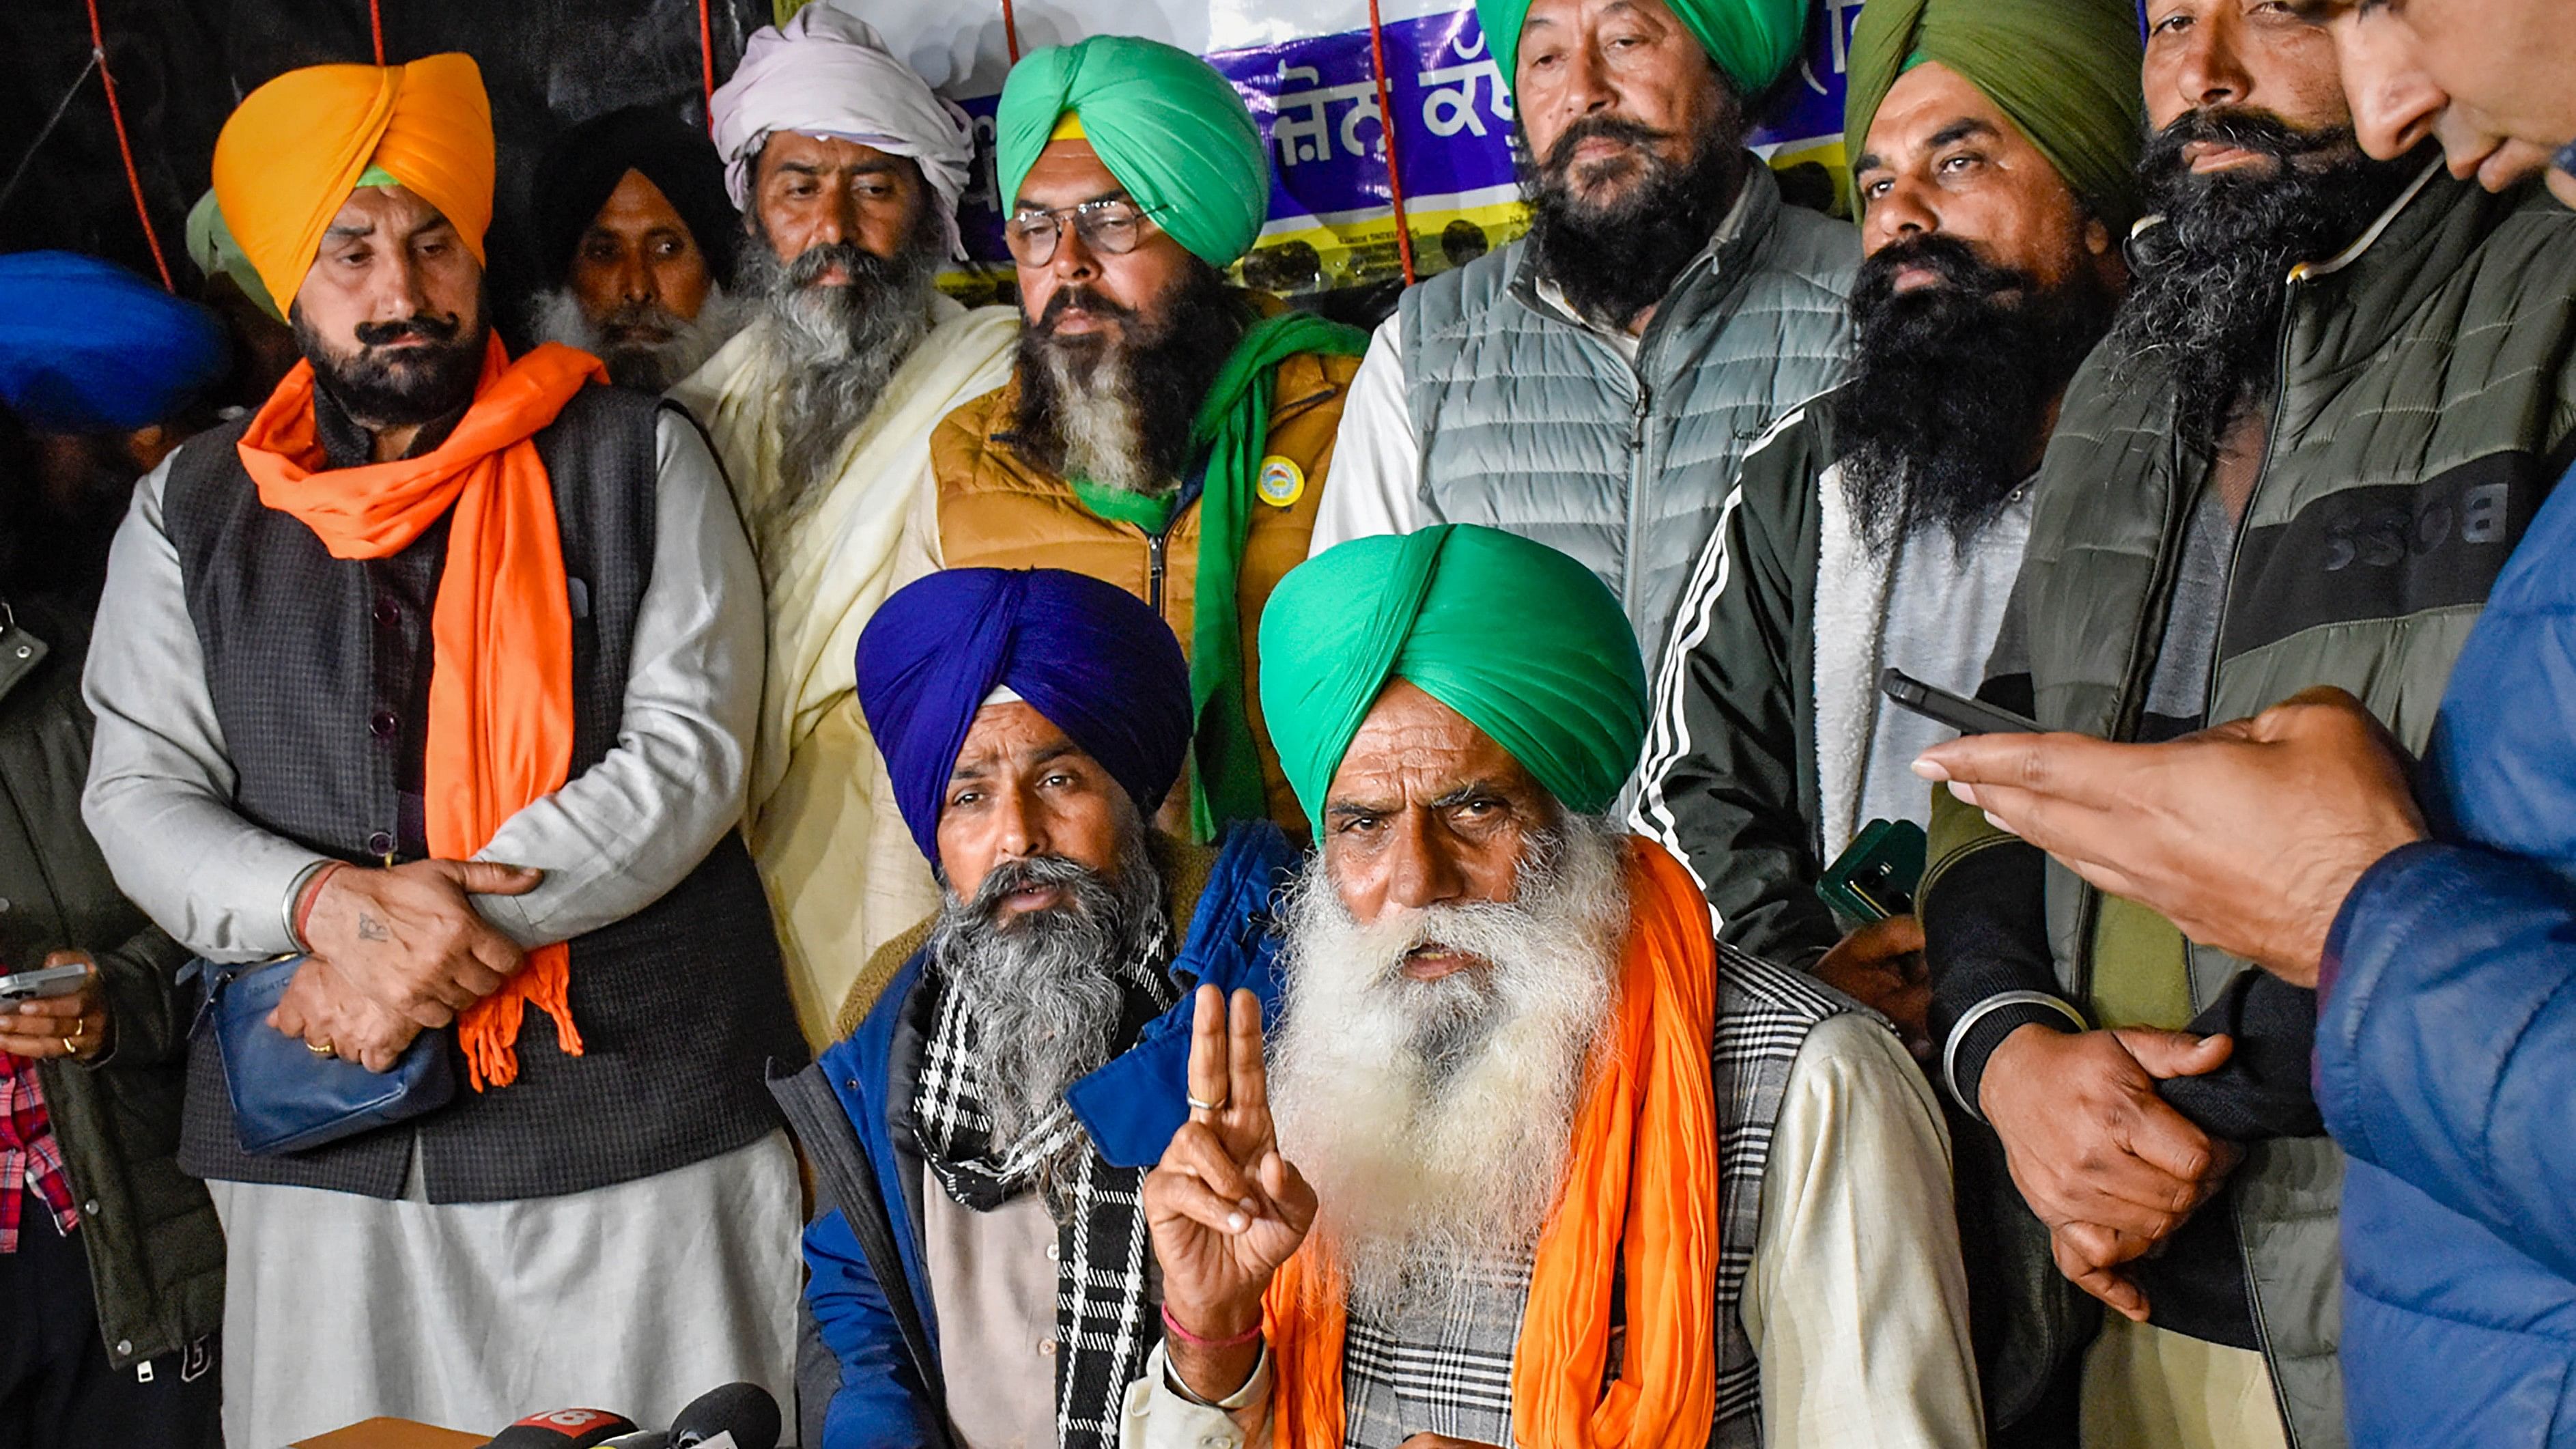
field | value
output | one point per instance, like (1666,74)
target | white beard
(556,316)
(1435,1118)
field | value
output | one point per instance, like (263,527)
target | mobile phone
(45,981)
(1967,716)
(1874,878)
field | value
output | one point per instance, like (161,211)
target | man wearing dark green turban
(1993,143)
(1593,385)
(1162,429)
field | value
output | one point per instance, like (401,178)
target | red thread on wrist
(312,893)
(1173,1327)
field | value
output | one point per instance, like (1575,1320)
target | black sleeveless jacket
(319,671)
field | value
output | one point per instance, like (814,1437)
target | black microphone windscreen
(745,1410)
(563,1429)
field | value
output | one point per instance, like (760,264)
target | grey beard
(1100,424)
(556,316)
(1047,990)
(837,347)
(1435,1118)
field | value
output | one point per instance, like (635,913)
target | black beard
(1951,385)
(1614,260)
(2210,277)
(1157,371)
(382,389)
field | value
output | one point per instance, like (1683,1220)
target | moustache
(1963,273)
(2243,127)
(427,328)
(1635,135)
(1029,873)
(1088,299)
(856,262)
(649,323)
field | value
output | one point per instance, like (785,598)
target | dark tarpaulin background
(180,65)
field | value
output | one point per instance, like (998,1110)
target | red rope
(1386,127)
(376,27)
(125,147)
(1011,31)
(707,63)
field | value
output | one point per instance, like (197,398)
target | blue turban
(88,347)
(1089,656)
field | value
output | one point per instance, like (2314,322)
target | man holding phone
(111,1261)
(2326,413)
(1882,524)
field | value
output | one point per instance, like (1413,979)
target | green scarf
(1234,426)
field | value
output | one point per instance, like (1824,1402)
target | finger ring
(70,1049)
(324,1050)
(1196,1105)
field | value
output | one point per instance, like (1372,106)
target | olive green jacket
(156,1252)
(2427,387)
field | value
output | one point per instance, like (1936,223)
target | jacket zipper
(1157,554)
(2209,697)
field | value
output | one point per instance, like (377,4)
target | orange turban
(294,150)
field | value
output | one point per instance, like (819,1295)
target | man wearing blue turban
(1009,1068)
(108,363)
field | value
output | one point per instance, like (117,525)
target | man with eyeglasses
(1162,430)
(847,168)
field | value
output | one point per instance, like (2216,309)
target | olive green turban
(1166,125)
(1521,640)
(2064,71)
(1752,42)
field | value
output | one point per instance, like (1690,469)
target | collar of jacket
(20,650)
(1132,1106)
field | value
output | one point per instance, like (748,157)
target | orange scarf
(1641,1183)
(500,683)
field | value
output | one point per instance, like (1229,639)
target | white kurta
(634,1298)
(843,874)
(1856,1303)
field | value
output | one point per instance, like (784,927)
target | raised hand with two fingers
(1225,1207)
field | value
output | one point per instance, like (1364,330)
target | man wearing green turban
(1593,385)
(1162,430)
(1993,143)
(1512,1071)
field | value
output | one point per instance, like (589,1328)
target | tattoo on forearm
(371,929)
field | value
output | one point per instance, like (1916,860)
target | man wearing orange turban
(435,676)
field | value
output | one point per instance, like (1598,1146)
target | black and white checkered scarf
(1105,1312)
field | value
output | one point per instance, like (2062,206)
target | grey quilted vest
(1531,422)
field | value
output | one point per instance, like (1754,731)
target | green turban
(1166,125)
(212,248)
(1521,640)
(2064,71)
(1752,42)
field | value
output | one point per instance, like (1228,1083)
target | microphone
(564,1429)
(745,1411)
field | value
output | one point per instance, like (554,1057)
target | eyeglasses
(1112,228)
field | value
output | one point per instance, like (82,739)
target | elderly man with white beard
(847,169)
(980,1270)
(1532,1159)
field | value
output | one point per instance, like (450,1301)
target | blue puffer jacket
(890,1393)
(2446,1055)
